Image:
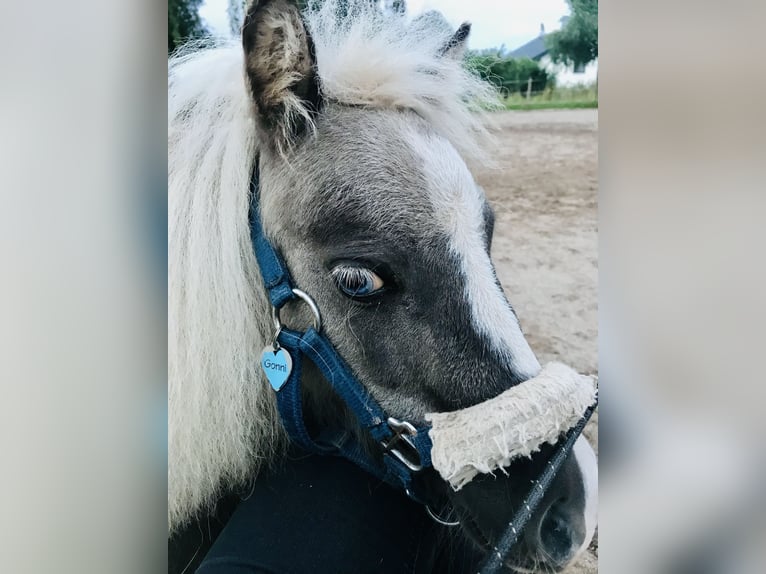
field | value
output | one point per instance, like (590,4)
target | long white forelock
(489,436)
(383,62)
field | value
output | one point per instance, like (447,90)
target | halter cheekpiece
(406,447)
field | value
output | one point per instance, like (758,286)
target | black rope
(495,559)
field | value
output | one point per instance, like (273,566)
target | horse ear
(456,46)
(281,69)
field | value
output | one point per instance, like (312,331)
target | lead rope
(495,559)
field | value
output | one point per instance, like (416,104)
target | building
(565,75)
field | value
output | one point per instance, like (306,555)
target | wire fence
(546,89)
(528,88)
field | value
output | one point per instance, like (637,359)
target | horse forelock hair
(368,59)
(223,423)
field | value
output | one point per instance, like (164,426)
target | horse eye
(357,281)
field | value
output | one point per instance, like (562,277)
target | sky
(495,22)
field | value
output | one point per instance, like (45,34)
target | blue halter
(406,448)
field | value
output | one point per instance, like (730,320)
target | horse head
(363,128)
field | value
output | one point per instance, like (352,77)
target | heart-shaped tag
(277,366)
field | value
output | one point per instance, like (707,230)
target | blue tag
(277,366)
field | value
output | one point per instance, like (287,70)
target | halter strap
(275,275)
(393,468)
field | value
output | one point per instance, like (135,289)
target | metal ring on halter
(441,520)
(306,298)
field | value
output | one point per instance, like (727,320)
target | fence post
(529,87)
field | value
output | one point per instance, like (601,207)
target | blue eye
(356,281)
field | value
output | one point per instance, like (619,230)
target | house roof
(534,49)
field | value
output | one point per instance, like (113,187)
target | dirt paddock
(544,192)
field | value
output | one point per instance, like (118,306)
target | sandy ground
(545,246)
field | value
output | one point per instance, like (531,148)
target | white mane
(222,419)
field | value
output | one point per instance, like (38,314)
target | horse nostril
(556,536)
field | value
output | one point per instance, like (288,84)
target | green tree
(184,22)
(577,41)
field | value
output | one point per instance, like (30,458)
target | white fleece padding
(488,436)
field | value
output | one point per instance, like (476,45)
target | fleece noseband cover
(490,435)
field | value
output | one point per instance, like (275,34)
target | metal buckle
(402,432)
